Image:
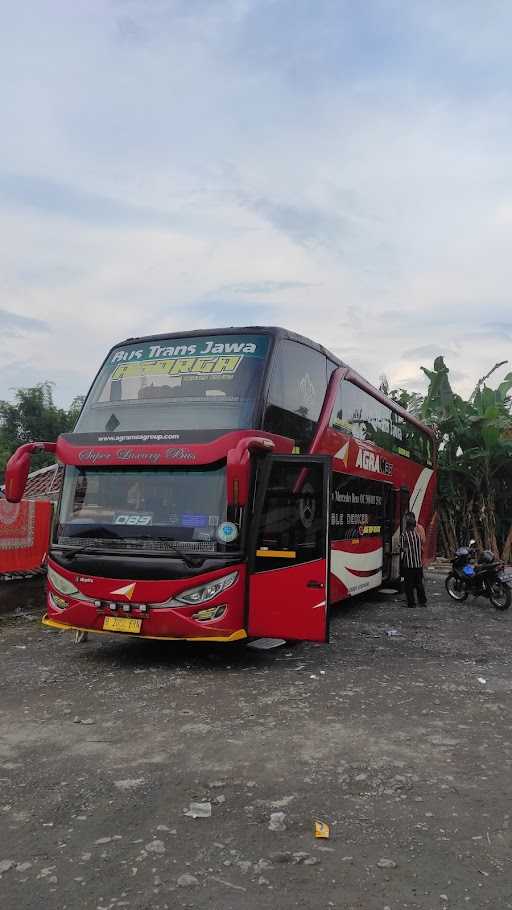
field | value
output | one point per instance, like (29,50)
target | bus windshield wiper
(70,553)
(192,562)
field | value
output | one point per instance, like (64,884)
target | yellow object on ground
(322,829)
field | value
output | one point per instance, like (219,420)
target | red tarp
(24,534)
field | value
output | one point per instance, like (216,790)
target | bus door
(289,550)
(405,497)
(388,520)
(403,502)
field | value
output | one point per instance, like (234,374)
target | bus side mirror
(18,467)
(238,468)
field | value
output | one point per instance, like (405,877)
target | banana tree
(475,459)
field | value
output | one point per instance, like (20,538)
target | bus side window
(339,416)
(368,419)
(296,393)
(291,528)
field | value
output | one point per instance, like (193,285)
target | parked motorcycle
(484,576)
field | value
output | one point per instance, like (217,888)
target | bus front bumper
(58,624)
(155,614)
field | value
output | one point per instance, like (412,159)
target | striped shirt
(411,547)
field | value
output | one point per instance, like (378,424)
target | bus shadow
(363,604)
(141,654)
(153,655)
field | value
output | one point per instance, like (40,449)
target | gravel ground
(401,742)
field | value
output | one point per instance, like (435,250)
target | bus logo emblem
(127,591)
(342,454)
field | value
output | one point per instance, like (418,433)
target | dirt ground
(401,742)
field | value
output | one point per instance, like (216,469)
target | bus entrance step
(265,644)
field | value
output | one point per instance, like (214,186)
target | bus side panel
(356,566)
(403,473)
(337,590)
(424,507)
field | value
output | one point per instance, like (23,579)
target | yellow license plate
(121,624)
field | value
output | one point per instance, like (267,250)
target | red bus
(228,484)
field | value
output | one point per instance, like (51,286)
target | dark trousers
(413,581)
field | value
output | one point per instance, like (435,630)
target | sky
(342,168)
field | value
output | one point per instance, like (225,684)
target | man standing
(412,561)
(420,529)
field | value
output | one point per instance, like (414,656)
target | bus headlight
(203,593)
(61,584)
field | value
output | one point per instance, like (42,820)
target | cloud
(308,226)
(13,324)
(499,328)
(263,287)
(429,351)
(49,275)
(52,198)
(341,170)
(26,374)
(228,312)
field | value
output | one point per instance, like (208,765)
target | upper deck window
(296,392)
(207,382)
(361,415)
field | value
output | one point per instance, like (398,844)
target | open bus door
(405,498)
(396,504)
(388,514)
(289,550)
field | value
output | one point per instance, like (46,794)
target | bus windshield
(146,509)
(197,383)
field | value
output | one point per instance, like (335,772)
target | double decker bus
(228,484)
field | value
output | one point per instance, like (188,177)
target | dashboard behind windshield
(147,508)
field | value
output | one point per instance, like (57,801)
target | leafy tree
(409,401)
(33,417)
(475,460)
(75,408)
(474,441)
(439,399)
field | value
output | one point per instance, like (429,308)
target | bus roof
(276,331)
(279,332)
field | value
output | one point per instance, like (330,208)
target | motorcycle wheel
(501,596)
(456,588)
